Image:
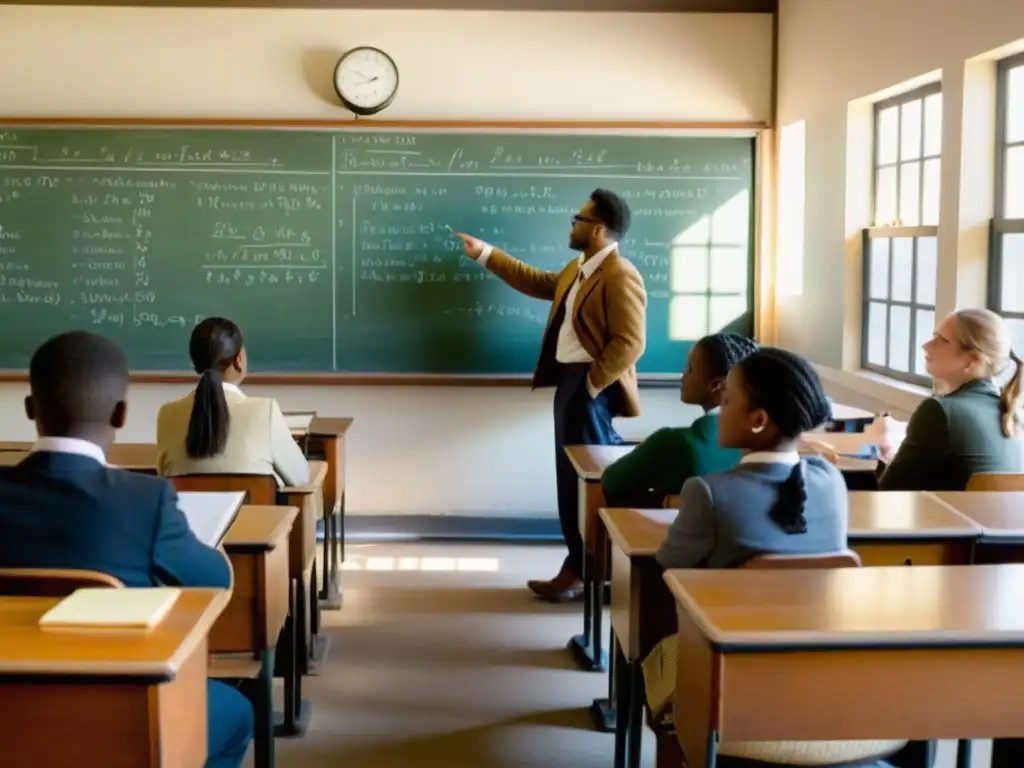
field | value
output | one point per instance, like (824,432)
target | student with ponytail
(217,428)
(971,424)
(774,501)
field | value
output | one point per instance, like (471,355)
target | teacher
(594,335)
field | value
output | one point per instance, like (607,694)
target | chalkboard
(330,245)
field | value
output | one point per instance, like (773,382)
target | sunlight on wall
(709,271)
(792,209)
(437,564)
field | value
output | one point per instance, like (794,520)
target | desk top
(156,655)
(905,515)
(999,514)
(210,513)
(842,412)
(130,456)
(330,427)
(317,475)
(638,532)
(259,528)
(298,421)
(921,606)
(590,461)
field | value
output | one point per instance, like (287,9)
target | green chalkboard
(330,246)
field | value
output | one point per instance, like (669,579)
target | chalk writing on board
(501,310)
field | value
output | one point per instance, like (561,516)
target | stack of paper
(111,607)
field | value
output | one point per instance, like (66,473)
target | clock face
(366,79)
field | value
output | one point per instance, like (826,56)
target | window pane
(1014,183)
(927,269)
(698,233)
(885,196)
(1016,328)
(910,130)
(910,194)
(902,267)
(1012,293)
(687,318)
(879,276)
(1015,105)
(887,138)
(933,124)
(899,339)
(726,310)
(930,192)
(730,223)
(922,332)
(876,333)
(729,270)
(689,271)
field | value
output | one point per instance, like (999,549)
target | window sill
(900,395)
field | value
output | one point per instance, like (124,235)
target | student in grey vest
(774,501)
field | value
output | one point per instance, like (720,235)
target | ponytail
(1010,400)
(788,512)
(208,425)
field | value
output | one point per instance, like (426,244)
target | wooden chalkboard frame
(647,381)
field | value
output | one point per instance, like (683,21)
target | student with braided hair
(660,465)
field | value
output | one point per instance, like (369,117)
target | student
(660,464)
(774,502)
(973,426)
(216,428)
(62,507)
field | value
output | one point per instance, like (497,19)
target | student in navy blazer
(63,507)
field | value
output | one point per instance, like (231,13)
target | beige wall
(413,450)
(834,52)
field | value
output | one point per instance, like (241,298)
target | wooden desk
(1000,515)
(210,514)
(12,458)
(108,699)
(247,633)
(590,461)
(135,457)
(639,616)
(16,445)
(884,638)
(908,528)
(327,438)
(847,418)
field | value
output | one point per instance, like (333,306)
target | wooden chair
(295,646)
(996,481)
(673,501)
(50,582)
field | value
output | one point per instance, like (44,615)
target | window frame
(893,232)
(1000,225)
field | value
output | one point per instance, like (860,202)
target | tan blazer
(259,442)
(609,317)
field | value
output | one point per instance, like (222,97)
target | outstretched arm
(537,283)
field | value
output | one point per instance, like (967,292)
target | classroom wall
(833,55)
(413,450)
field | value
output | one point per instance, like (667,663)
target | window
(1006,243)
(709,274)
(900,250)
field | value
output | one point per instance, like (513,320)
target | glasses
(590,220)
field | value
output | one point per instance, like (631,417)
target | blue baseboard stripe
(373,528)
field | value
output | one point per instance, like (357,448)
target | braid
(724,350)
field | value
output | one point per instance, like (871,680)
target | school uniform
(660,465)
(63,507)
(259,441)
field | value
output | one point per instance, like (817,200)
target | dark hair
(787,387)
(77,379)
(611,210)
(724,350)
(214,345)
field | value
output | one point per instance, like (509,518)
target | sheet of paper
(210,514)
(138,608)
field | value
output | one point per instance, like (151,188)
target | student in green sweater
(660,464)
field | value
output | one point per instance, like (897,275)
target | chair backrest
(259,489)
(50,582)
(996,481)
(673,501)
(844,559)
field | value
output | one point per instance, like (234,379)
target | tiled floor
(440,657)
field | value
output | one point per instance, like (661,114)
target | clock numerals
(366,80)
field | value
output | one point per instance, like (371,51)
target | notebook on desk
(111,608)
(210,513)
(299,421)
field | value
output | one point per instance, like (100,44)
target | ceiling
(647,6)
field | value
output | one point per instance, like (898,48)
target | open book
(111,607)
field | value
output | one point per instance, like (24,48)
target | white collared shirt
(786,458)
(70,445)
(229,387)
(568,348)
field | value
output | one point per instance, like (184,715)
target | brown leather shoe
(565,587)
